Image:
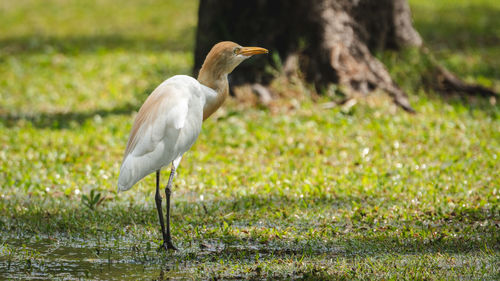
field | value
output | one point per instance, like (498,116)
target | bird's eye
(236,50)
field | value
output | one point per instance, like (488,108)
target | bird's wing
(164,110)
(165,127)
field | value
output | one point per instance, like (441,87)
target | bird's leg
(159,206)
(168,191)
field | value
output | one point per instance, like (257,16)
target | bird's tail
(122,187)
(126,178)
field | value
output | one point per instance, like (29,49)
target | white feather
(167,125)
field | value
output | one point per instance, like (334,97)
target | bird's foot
(167,246)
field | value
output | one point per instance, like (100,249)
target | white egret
(170,120)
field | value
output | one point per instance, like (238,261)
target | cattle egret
(170,119)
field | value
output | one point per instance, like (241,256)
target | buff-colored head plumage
(223,58)
(220,61)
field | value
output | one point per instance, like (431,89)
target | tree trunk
(328,41)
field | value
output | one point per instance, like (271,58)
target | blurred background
(154,40)
(299,188)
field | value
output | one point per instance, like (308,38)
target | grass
(463,35)
(300,192)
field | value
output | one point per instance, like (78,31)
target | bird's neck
(217,81)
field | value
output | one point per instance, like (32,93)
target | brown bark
(328,41)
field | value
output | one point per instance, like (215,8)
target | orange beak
(250,51)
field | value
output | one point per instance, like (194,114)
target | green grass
(303,193)
(464,34)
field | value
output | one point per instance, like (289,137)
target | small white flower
(365,152)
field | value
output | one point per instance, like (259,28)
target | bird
(170,120)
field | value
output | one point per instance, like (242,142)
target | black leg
(159,206)
(168,191)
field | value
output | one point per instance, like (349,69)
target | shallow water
(48,258)
(125,258)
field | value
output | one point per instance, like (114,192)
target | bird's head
(225,56)
(220,61)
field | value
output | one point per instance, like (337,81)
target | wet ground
(123,258)
(49,258)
